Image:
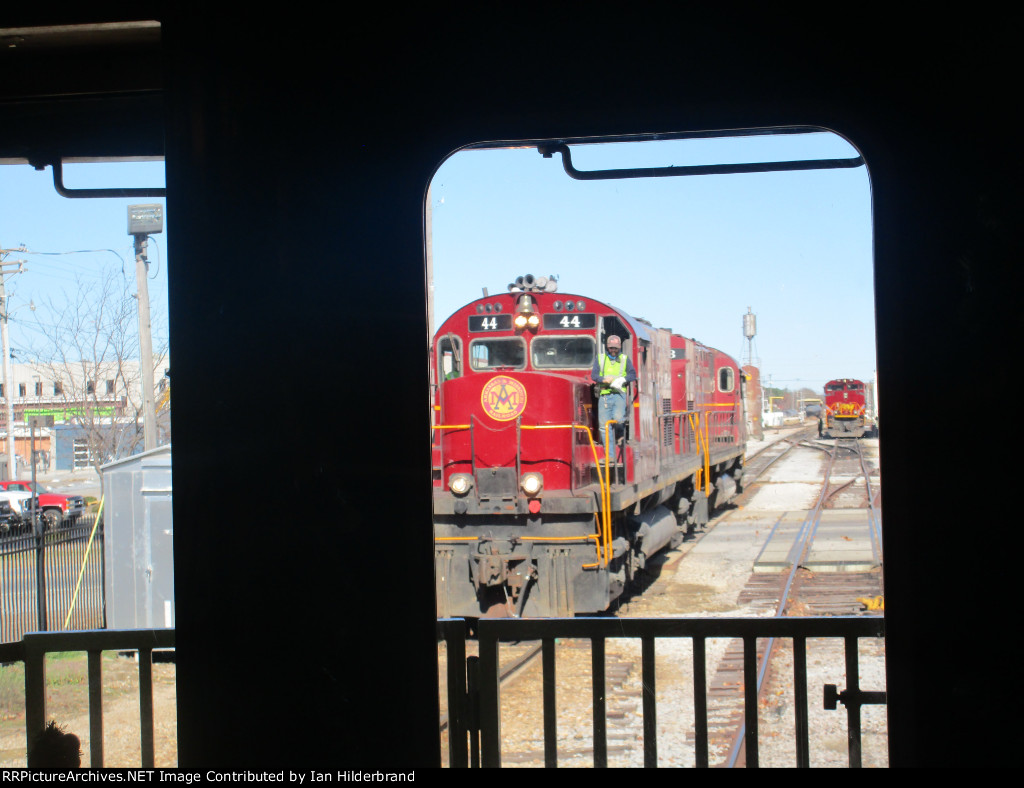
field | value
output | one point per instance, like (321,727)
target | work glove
(618,383)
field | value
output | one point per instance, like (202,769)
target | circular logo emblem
(503,398)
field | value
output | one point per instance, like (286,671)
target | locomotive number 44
(569,322)
(489,323)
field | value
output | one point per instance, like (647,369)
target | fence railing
(474,696)
(32,651)
(52,580)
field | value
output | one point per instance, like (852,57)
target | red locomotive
(532,517)
(845,409)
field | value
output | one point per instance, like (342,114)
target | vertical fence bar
(803,750)
(456,673)
(597,671)
(40,577)
(853,707)
(145,657)
(95,709)
(700,702)
(750,699)
(490,709)
(649,703)
(473,701)
(35,687)
(550,705)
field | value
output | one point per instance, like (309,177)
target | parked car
(20,503)
(10,520)
(56,509)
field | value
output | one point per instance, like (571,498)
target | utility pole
(5,271)
(143,220)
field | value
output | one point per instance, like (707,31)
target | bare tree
(90,356)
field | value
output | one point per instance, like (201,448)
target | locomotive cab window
(562,352)
(497,353)
(726,380)
(449,352)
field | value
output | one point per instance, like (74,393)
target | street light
(144,220)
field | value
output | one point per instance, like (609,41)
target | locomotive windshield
(494,353)
(562,352)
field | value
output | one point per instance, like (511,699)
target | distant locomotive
(531,516)
(845,409)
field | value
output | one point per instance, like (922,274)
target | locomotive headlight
(532,483)
(460,483)
(525,314)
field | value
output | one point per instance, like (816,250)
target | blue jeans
(610,406)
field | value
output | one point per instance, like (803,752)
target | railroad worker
(612,371)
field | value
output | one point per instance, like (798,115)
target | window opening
(497,353)
(560,352)
(612,222)
(449,357)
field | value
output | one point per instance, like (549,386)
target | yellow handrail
(602,483)
(607,488)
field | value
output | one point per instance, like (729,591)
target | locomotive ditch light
(532,483)
(460,483)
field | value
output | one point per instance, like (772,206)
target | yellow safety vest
(613,369)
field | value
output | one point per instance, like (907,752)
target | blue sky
(690,253)
(687,253)
(56,229)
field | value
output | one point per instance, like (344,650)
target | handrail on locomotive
(681,444)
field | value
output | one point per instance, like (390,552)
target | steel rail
(801,545)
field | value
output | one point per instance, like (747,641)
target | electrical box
(138,541)
(145,219)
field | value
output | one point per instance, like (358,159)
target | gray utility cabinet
(138,541)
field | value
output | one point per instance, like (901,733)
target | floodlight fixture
(145,219)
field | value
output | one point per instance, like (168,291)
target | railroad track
(797,592)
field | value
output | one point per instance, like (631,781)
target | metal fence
(52,580)
(32,651)
(474,698)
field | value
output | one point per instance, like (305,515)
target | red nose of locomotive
(499,429)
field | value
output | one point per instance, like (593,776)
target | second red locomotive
(845,409)
(532,517)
